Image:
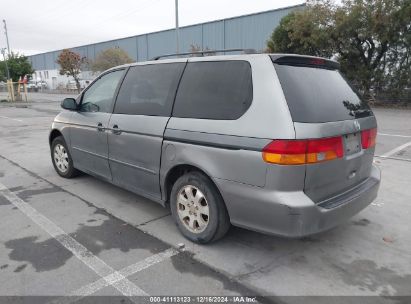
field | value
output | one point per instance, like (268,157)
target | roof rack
(201,53)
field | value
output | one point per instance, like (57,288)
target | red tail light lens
(298,152)
(285,152)
(368,138)
(324,149)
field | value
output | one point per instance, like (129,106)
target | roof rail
(201,53)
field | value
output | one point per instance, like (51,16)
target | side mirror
(69,104)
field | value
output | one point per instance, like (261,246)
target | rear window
(214,90)
(316,95)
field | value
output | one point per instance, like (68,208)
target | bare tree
(70,65)
(110,58)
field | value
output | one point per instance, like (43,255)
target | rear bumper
(293,214)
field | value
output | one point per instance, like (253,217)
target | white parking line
(395,158)
(19,120)
(394,135)
(395,150)
(92,288)
(111,276)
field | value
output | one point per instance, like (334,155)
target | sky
(47,25)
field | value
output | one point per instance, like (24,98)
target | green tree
(18,65)
(370,38)
(70,65)
(305,32)
(110,58)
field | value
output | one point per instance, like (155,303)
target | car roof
(274,56)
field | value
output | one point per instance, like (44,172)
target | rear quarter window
(316,95)
(214,90)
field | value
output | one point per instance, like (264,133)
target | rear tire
(198,208)
(61,158)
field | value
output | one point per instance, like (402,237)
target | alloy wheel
(61,158)
(193,209)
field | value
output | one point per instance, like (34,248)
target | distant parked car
(271,142)
(32,86)
(84,83)
(42,84)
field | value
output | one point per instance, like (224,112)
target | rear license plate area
(352,143)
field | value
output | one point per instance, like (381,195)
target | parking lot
(84,237)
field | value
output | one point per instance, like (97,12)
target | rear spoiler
(305,61)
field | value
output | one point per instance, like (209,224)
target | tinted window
(316,95)
(214,90)
(149,89)
(100,96)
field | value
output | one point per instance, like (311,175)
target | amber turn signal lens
(307,151)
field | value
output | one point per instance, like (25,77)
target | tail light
(368,138)
(307,151)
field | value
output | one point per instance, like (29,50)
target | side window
(149,89)
(100,96)
(214,90)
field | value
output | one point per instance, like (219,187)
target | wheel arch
(179,170)
(53,134)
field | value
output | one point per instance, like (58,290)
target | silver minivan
(276,143)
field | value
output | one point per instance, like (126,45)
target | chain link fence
(13,92)
(18,92)
(391,99)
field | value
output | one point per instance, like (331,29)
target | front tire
(61,158)
(198,208)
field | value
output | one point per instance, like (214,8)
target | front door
(140,116)
(88,132)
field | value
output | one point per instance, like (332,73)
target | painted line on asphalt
(395,150)
(111,276)
(395,158)
(19,120)
(394,135)
(92,288)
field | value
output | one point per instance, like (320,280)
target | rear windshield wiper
(361,113)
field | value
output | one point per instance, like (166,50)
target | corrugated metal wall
(249,31)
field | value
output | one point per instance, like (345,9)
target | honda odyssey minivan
(276,143)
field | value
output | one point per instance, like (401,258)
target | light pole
(7,37)
(177,30)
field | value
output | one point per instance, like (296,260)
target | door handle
(100,127)
(116,130)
